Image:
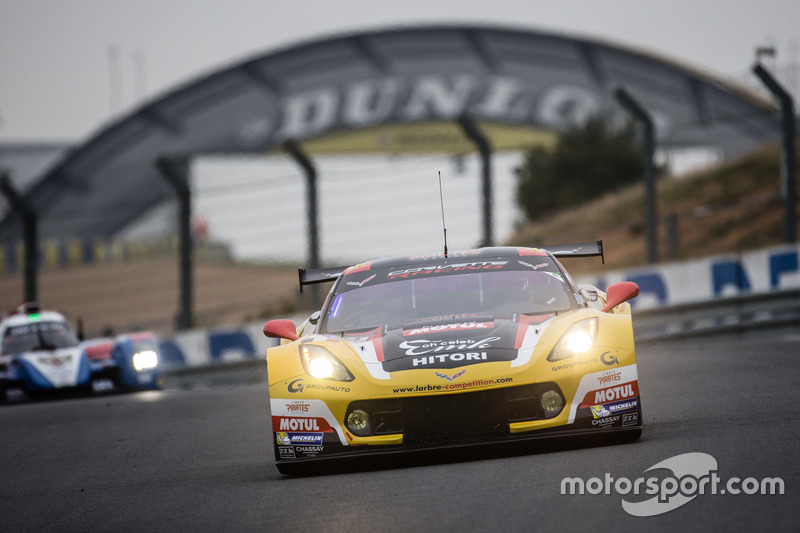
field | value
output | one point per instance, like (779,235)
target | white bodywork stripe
(589,383)
(316,409)
(59,367)
(529,343)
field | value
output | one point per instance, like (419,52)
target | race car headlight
(322,364)
(145,360)
(578,339)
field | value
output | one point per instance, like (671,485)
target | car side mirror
(589,293)
(281,328)
(619,293)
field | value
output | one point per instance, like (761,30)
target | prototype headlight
(322,364)
(578,339)
(145,360)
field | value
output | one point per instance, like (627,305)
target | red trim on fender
(525,322)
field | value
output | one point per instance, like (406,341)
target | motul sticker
(285,423)
(611,394)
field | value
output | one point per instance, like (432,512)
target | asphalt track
(201,460)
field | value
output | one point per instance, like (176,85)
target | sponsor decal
(447,269)
(450,357)
(413,353)
(573,364)
(534,267)
(287,439)
(584,396)
(296,407)
(300,424)
(453,386)
(423,347)
(608,359)
(606,421)
(461,326)
(54,360)
(286,452)
(318,419)
(298,386)
(432,96)
(611,394)
(600,411)
(309,450)
(99,385)
(450,379)
(608,377)
(361,283)
(26,329)
(630,420)
(458,253)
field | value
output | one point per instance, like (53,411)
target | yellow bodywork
(613,351)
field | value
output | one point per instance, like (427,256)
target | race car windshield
(501,293)
(46,335)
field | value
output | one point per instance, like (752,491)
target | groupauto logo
(690,466)
(295,386)
(608,359)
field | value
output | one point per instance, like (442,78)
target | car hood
(453,342)
(60,368)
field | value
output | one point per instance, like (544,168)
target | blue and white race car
(40,354)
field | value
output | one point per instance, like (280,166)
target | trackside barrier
(214,347)
(219,356)
(701,280)
(757,290)
(768,312)
(771,312)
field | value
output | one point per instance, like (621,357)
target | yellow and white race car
(482,346)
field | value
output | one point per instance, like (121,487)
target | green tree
(588,160)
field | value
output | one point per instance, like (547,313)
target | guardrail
(768,311)
(248,371)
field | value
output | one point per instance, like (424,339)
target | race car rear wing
(583,249)
(319,275)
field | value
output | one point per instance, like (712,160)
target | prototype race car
(482,346)
(40,354)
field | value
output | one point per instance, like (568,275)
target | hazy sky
(54,54)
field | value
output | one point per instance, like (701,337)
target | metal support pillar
(312,208)
(650,210)
(302,159)
(473,133)
(788,186)
(175,170)
(30,223)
